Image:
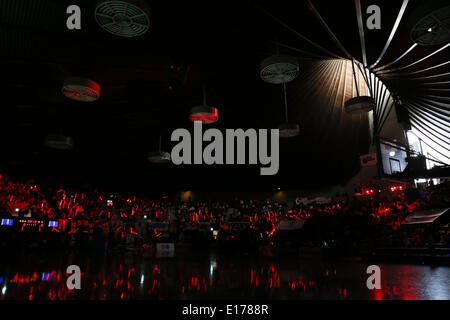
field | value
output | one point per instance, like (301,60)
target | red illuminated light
(396,188)
(81,89)
(364,192)
(205,115)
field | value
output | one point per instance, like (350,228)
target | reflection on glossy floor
(214,277)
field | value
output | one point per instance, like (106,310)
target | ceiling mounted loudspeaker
(358,105)
(279,68)
(204,114)
(430,23)
(59,142)
(159,157)
(128,18)
(81,89)
(287,130)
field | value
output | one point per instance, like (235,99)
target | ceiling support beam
(396,60)
(420,60)
(393,31)
(299,34)
(361,31)
(325,26)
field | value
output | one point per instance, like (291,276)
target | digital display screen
(7,222)
(31,223)
(53,224)
(47,276)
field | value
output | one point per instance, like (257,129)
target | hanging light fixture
(81,89)
(279,68)
(59,142)
(159,156)
(204,113)
(359,104)
(130,18)
(429,23)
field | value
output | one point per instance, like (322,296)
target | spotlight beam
(334,75)
(345,83)
(354,78)
(339,84)
(324,78)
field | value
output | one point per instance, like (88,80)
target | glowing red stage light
(397,188)
(364,192)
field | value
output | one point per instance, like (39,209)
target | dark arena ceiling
(149,83)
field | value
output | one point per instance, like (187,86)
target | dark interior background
(149,83)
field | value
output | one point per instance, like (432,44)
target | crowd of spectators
(25,198)
(121,215)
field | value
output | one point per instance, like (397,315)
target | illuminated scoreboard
(31,222)
(32,225)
